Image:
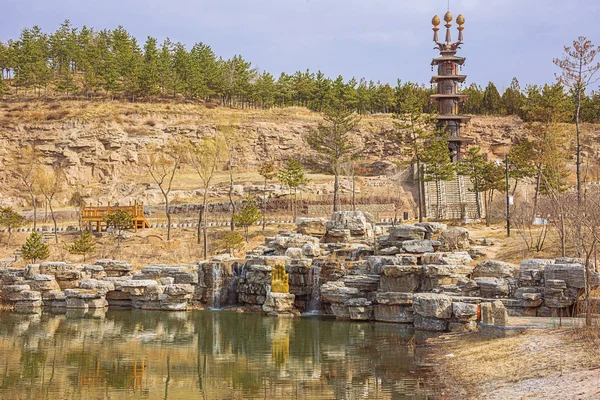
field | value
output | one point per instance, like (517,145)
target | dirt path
(541,364)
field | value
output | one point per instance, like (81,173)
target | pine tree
(521,164)
(10,219)
(411,131)
(438,164)
(149,74)
(120,220)
(474,104)
(34,248)
(231,242)
(512,98)
(486,177)
(248,215)
(492,102)
(333,144)
(322,89)
(292,176)
(83,245)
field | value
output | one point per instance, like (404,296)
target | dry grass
(144,248)
(474,367)
(156,113)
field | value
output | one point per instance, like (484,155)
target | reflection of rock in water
(211,355)
(280,341)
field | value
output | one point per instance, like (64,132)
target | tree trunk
(419,190)
(53,221)
(34,204)
(264,216)
(336,188)
(438,187)
(231,202)
(199,230)
(353,190)
(538,180)
(168,212)
(577,129)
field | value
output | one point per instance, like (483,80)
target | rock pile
(105,283)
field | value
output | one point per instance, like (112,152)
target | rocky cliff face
(102,144)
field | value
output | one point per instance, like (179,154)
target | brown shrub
(19,108)
(150,123)
(57,115)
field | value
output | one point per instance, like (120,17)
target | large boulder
(420,246)
(294,253)
(492,287)
(277,303)
(337,292)
(406,232)
(432,228)
(495,269)
(365,283)
(394,298)
(531,272)
(312,226)
(432,305)
(400,278)
(354,221)
(430,324)
(393,313)
(464,311)
(447,258)
(377,263)
(455,239)
(572,274)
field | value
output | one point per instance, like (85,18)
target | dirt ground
(538,364)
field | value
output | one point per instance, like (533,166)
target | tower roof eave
(439,60)
(460,78)
(461,97)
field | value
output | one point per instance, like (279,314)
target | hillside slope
(100,144)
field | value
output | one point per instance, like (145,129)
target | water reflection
(210,355)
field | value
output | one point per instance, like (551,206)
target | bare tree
(162,165)
(578,69)
(582,222)
(231,141)
(267,171)
(50,183)
(206,158)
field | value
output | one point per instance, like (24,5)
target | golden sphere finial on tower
(448,17)
(460,20)
(436,21)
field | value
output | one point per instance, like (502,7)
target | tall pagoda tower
(448,78)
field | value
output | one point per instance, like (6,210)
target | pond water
(204,355)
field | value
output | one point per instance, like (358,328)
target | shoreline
(536,364)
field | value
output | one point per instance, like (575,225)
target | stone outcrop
(418,280)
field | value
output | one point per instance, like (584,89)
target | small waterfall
(216,286)
(314,304)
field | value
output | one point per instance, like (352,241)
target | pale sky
(377,39)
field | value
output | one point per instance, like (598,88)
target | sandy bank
(541,364)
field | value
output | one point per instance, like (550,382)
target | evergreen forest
(86,63)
